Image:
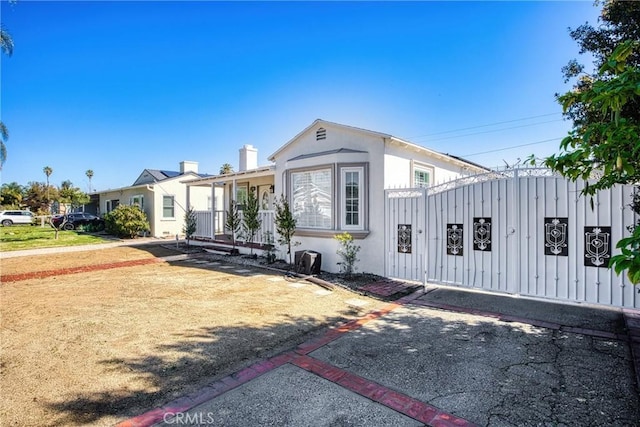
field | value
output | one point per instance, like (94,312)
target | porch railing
(208,228)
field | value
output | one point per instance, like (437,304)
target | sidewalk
(440,358)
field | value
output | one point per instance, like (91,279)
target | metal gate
(527,232)
(405,234)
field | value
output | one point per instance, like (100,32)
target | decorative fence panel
(405,233)
(531,233)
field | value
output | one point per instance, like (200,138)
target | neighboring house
(161,195)
(334,177)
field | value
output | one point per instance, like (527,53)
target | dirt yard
(97,347)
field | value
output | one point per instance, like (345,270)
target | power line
(482,126)
(513,146)
(493,130)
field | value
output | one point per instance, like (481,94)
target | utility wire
(490,131)
(513,146)
(482,126)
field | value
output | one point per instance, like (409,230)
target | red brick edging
(73,270)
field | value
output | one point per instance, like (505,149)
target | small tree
(251,220)
(232,222)
(126,221)
(285,224)
(348,251)
(190,224)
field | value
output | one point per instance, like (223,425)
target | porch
(210,226)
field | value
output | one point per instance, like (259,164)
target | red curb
(397,401)
(75,270)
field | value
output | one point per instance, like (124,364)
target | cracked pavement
(485,360)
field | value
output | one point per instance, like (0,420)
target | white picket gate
(522,231)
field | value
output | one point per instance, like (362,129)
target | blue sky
(118,86)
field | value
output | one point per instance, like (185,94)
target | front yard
(98,347)
(19,237)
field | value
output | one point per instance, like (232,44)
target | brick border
(74,270)
(397,401)
(392,399)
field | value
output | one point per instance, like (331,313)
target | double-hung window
(312,198)
(168,207)
(352,198)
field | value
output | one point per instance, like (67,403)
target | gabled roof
(325,122)
(386,137)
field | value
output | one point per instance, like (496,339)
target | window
(422,176)
(311,201)
(111,205)
(137,200)
(241,196)
(351,200)
(168,210)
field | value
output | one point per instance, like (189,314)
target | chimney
(248,158)
(187,166)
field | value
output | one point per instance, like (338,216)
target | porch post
(213,211)
(232,196)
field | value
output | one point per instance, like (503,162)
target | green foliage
(285,224)
(226,169)
(38,196)
(348,251)
(232,222)
(72,196)
(126,221)
(603,145)
(190,224)
(629,258)
(11,195)
(251,221)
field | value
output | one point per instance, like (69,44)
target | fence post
(516,227)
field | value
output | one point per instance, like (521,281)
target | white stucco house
(161,194)
(334,177)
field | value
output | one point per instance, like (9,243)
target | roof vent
(321,134)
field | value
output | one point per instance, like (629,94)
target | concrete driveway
(440,357)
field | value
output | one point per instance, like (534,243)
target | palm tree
(89,174)
(48,171)
(6,44)
(226,169)
(4,135)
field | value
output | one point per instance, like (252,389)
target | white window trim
(169,218)
(343,198)
(421,167)
(141,196)
(319,168)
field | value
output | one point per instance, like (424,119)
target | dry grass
(99,347)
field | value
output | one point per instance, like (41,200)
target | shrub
(190,224)
(126,221)
(348,251)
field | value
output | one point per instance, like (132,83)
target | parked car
(9,218)
(76,219)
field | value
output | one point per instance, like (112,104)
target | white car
(9,218)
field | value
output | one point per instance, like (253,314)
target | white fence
(211,223)
(528,232)
(532,236)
